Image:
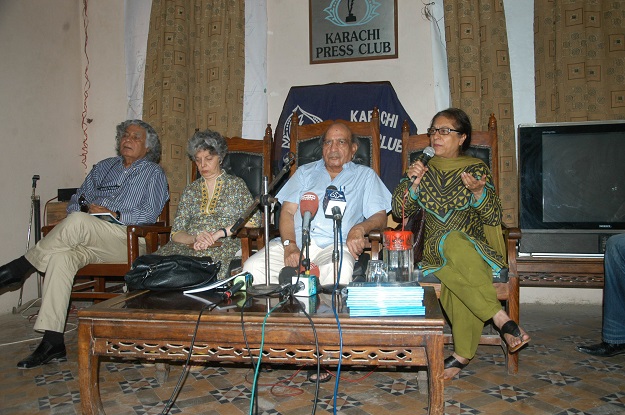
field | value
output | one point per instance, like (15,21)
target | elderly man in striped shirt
(132,188)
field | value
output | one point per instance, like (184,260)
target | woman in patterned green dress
(462,235)
(209,206)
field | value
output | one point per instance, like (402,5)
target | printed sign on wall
(349,30)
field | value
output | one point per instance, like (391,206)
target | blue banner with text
(351,101)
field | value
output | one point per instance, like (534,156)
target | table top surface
(176,305)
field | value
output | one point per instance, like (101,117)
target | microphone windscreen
(309,203)
(286,274)
(428,153)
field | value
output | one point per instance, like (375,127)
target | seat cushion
(248,166)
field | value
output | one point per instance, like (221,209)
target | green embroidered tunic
(449,206)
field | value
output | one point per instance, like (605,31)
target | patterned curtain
(480,83)
(195,68)
(579,49)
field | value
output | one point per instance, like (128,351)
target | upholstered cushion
(310,150)
(248,166)
(431,278)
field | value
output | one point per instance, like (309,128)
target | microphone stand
(35,216)
(335,252)
(306,248)
(265,200)
(337,217)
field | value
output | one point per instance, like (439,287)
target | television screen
(583,180)
(572,175)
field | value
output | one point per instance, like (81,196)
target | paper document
(107,217)
(213,285)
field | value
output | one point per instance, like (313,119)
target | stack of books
(371,299)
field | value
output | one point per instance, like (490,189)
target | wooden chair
(250,160)
(306,145)
(484,147)
(305,140)
(91,280)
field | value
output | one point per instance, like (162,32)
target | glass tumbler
(376,271)
(398,256)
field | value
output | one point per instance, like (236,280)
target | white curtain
(137,21)
(435,12)
(255,89)
(136,25)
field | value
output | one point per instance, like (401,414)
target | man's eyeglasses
(441,131)
(341,142)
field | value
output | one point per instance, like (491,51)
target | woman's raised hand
(474,185)
(415,173)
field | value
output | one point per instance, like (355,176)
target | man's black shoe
(9,278)
(12,274)
(603,349)
(44,353)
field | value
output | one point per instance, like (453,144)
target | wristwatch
(118,215)
(287,242)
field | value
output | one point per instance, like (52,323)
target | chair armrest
(375,240)
(511,232)
(155,236)
(511,236)
(253,239)
(46,229)
(253,233)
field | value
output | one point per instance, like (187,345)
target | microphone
(233,290)
(308,205)
(288,158)
(425,157)
(334,203)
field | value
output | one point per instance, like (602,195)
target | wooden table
(159,326)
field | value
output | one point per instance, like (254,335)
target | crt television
(571,186)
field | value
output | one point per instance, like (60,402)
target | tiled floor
(553,379)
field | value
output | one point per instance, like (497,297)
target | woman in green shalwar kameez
(462,233)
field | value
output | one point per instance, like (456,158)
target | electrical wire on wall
(428,14)
(85,120)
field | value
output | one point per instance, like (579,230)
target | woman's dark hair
(152,142)
(209,140)
(462,123)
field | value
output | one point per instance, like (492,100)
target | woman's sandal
(324,376)
(511,328)
(451,361)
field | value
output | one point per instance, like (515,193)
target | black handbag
(171,272)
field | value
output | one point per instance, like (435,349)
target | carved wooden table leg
(88,371)
(436,389)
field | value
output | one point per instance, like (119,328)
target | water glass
(376,271)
